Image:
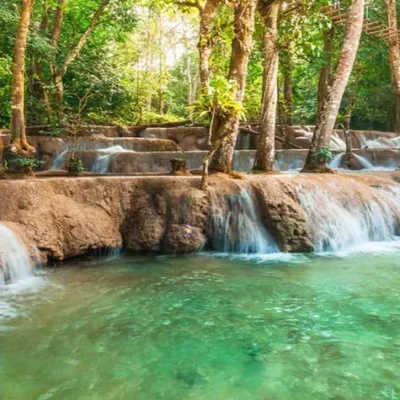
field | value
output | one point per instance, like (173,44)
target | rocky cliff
(68,217)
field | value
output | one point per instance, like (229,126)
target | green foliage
(75,166)
(323,153)
(220,101)
(140,65)
(25,163)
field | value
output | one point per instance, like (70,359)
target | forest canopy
(140,63)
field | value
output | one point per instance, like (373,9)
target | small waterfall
(378,143)
(343,218)
(235,226)
(364,162)
(15,263)
(335,163)
(337,144)
(104,156)
(59,161)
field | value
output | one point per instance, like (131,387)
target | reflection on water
(207,327)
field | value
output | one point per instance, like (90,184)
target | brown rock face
(188,138)
(184,239)
(66,217)
(284,216)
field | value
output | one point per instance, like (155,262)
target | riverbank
(69,217)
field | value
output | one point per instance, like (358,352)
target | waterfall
(15,262)
(235,226)
(364,162)
(335,163)
(59,161)
(343,218)
(103,159)
(337,144)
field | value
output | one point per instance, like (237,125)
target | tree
(227,128)
(325,74)
(59,72)
(18,128)
(394,53)
(265,155)
(207,14)
(316,158)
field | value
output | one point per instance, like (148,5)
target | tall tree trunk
(18,128)
(326,122)
(161,68)
(396,123)
(288,96)
(37,69)
(228,128)
(58,20)
(60,72)
(352,100)
(205,46)
(265,155)
(325,74)
(394,52)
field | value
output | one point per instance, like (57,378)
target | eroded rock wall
(67,217)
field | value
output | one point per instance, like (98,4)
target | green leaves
(219,101)
(323,153)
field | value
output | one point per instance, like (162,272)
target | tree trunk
(228,127)
(352,101)
(205,46)
(37,69)
(325,74)
(59,73)
(394,52)
(396,124)
(288,96)
(18,129)
(265,155)
(58,19)
(326,122)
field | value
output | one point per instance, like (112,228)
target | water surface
(206,327)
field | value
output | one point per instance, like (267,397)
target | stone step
(48,147)
(128,162)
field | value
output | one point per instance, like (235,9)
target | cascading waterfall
(102,162)
(342,219)
(335,163)
(60,160)
(364,162)
(236,228)
(15,262)
(337,144)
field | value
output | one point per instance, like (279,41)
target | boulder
(184,239)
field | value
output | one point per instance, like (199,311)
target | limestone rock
(184,239)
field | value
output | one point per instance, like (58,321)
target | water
(365,164)
(59,161)
(235,226)
(206,328)
(104,156)
(349,218)
(335,163)
(15,262)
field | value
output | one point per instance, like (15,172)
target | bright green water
(207,328)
